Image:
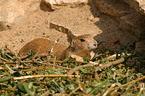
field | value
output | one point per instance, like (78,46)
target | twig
(11,71)
(141,89)
(113,57)
(52,65)
(34,62)
(3,59)
(109,90)
(106,66)
(16,62)
(36,76)
(96,63)
(79,83)
(23,57)
(82,66)
(129,83)
(74,91)
(99,67)
(109,64)
(46,93)
(110,57)
(9,50)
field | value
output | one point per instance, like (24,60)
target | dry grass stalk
(37,76)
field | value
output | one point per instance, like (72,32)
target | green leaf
(88,90)
(31,53)
(71,86)
(26,87)
(6,78)
(6,94)
(100,85)
(21,87)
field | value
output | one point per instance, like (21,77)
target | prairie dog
(80,46)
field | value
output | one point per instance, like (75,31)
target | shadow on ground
(112,32)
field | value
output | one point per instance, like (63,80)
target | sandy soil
(81,19)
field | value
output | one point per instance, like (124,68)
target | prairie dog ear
(62,29)
(93,35)
(70,37)
(72,44)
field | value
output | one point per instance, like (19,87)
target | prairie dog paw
(78,58)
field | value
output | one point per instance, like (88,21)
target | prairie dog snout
(80,45)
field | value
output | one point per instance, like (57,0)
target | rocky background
(129,13)
(24,20)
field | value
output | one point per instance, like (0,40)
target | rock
(11,11)
(51,3)
(138,5)
(46,6)
(61,2)
(129,13)
(134,23)
(114,8)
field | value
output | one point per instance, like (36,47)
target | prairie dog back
(39,46)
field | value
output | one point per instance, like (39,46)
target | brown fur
(79,45)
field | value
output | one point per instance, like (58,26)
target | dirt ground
(80,19)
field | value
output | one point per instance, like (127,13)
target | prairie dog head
(83,42)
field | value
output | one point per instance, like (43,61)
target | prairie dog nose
(93,45)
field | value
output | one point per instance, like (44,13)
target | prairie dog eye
(82,40)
